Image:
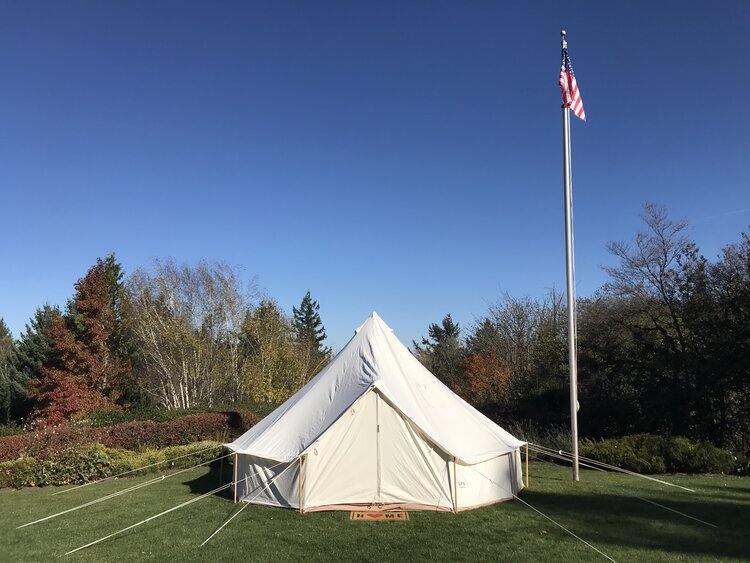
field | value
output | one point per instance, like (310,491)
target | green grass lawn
(600,508)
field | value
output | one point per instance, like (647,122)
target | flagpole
(570,283)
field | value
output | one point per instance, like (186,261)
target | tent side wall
(264,481)
(492,481)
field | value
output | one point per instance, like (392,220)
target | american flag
(571,95)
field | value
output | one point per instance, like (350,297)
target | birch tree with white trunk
(185,321)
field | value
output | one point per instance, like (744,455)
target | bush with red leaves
(130,435)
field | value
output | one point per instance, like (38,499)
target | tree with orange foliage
(85,374)
(486,378)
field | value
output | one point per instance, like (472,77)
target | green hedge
(80,465)
(646,453)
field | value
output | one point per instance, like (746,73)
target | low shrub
(75,465)
(12,447)
(125,460)
(51,442)
(83,464)
(23,472)
(647,453)
(11,429)
(621,452)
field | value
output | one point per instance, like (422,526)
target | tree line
(663,346)
(174,336)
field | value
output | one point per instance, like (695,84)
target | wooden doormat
(381,516)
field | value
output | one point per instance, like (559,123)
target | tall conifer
(310,334)
(11,381)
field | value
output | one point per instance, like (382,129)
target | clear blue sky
(402,157)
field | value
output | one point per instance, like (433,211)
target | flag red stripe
(571,95)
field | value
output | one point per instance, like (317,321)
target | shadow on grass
(617,520)
(218,474)
(629,522)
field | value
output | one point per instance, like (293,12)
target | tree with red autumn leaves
(85,374)
(486,378)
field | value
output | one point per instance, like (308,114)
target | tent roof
(375,358)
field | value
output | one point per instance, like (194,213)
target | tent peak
(369,319)
(374,317)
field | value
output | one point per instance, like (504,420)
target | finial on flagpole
(563,41)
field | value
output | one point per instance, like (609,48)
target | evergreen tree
(36,348)
(11,381)
(447,331)
(88,375)
(119,343)
(310,333)
(485,339)
(307,324)
(443,353)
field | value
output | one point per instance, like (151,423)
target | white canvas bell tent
(376,430)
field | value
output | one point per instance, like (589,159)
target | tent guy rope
(676,511)
(134,488)
(543,449)
(122,492)
(580,539)
(547,517)
(181,505)
(247,502)
(93,502)
(227,521)
(631,496)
